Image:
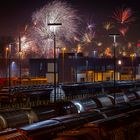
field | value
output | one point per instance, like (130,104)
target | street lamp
(132,56)
(119,64)
(8,50)
(21,39)
(6,55)
(76,67)
(114,56)
(63,63)
(20,53)
(77,50)
(53,29)
(87,71)
(23,46)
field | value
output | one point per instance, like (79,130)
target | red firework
(123,30)
(123,15)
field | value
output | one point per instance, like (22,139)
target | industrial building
(73,67)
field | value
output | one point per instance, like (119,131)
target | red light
(138,44)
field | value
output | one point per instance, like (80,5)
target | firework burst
(89,32)
(108,25)
(88,37)
(123,15)
(123,30)
(54,12)
(28,47)
(108,52)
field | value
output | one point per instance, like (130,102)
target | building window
(50,67)
(41,66)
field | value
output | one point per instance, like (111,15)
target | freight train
(46,92)
(108,124)
(98,103)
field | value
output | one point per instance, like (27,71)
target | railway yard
(96,112)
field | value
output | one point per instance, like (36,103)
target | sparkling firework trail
(91,26)
(55,12)
(27,47)
(108,25)
(108,52)
(123,15)
(75,38)
(88,37)
(123,30)
(89,32)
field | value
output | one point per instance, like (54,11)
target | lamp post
(63,63)
(119,64)
(20,53)
(114,59)
(132,56)
(6,56)
(76,67)
(54,25)
(9,67)
(87,80)
(21,37)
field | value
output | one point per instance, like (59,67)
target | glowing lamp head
(63,49)
(54,26)
(7,49)
(119,62)
(99,44)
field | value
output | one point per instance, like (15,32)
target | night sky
(15,14)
